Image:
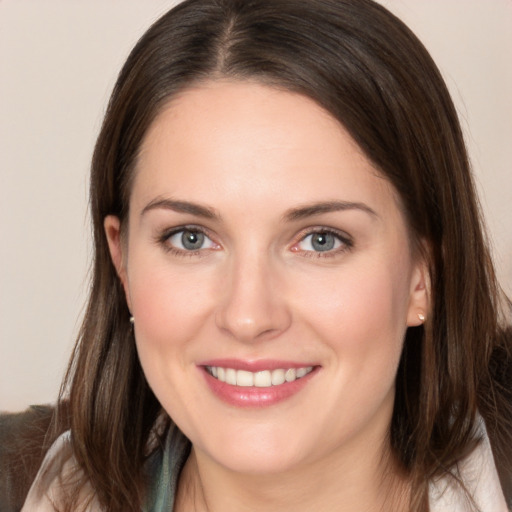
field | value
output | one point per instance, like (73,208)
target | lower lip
(240,396)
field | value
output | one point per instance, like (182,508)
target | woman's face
(268,268)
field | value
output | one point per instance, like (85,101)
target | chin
(257,462)
(258,451)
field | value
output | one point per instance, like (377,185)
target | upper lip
(255,365)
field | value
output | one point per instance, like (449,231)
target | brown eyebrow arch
(181,207)
(311,210)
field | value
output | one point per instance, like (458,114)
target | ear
(419,294)
(112,226)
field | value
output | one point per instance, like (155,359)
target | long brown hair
(368,70)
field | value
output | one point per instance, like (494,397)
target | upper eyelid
(166,233)
(163,237)
(343,235)
(346,241)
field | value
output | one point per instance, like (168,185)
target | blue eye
(190,240)
(323,241)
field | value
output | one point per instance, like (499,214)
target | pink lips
(253,396)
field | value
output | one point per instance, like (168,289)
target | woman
(293,305)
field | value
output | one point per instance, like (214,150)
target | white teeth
(244,378)
(290,375)
(301,372)
(278,377)
(262,379)
(231,376)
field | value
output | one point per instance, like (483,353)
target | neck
(339,482)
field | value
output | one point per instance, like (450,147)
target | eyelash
(163,240)
(346,242)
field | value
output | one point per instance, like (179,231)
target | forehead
(226,140)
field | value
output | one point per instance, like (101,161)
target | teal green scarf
(164,468)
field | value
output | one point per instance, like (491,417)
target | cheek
(362,315)
(170,306)
(170,309)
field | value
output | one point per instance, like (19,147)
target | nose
(253,304)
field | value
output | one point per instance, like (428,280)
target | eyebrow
(301,212)
(313,209)
(181,207)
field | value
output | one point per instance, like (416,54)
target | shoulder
(58,471)
(479,476)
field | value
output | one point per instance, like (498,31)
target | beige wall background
(58,62)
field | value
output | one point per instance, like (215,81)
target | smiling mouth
(261,379)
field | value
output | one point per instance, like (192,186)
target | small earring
(132,319)
(421,316)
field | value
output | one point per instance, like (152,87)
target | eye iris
(192,240)
(322,241)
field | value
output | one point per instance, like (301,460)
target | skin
(258,289)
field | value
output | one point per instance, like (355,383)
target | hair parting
(367,69)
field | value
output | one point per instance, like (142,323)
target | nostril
(251,307)
(260,326)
